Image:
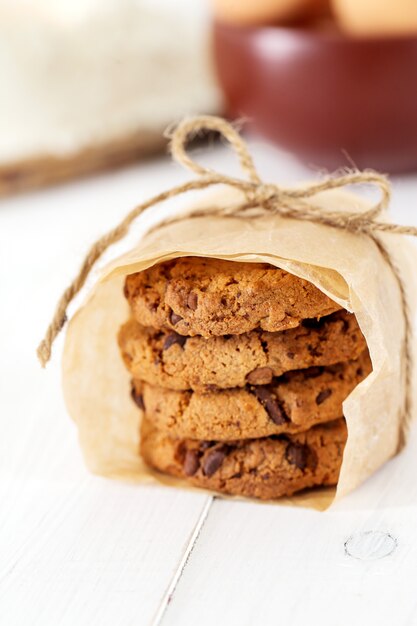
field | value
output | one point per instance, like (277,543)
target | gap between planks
(168,595)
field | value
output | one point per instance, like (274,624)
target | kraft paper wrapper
(346,267)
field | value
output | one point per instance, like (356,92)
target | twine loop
(258,198)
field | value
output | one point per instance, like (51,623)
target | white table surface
(79,550)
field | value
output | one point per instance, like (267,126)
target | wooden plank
(355,564)
(93,553)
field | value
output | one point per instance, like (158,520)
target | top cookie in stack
(241,369)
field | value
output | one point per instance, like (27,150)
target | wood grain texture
(80,550)
(277,565)
(92,553)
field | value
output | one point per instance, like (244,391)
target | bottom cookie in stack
(264,468)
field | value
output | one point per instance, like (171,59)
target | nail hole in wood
(370,545)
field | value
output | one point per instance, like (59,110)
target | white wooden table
(79,550)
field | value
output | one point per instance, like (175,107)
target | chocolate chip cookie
(292,403)
(210,297)
(264,468)
(166,359)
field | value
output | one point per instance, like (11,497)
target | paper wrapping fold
(347,267)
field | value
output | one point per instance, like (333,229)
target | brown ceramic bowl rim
(310,32)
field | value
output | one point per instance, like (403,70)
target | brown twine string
(260,199)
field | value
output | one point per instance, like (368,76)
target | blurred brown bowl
(323,95)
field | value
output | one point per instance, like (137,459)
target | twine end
(44,353)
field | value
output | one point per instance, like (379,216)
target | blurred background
(89,85)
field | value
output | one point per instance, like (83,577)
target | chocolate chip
(264,343)
(271,405)
(172,339)
(313,351)
(359,372)
(260,376)
(191,463)
(192,301)
(290,355)
(323,395)
(312,372)
(297,454)
(174,318)
(213,461)
(137,399)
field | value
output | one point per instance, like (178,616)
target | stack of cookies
(241,370)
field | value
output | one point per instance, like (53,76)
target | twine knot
(263,193)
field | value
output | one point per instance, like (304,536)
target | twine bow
(259,199)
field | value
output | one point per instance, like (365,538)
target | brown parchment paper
(348,268)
